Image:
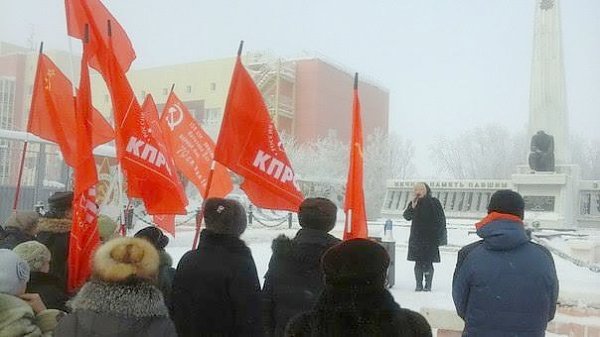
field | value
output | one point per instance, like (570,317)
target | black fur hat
(356,262)
(507,202)
(59,203)
(154,235)
(225,216)
(317,213)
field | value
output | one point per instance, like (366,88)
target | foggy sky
(449,65)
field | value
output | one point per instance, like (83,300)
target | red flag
(354,206)
(52,114)
(192,149)
(249,145)
(84,236)
(145,159)
(165,222)
(101,41)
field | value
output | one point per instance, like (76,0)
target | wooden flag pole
(22,164)
(200,217)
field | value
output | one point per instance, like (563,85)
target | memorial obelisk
(547,100)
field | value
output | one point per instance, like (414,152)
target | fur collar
(232,243)
(165,260)
(54,225)
(135,300)
(306,247)
(355,300)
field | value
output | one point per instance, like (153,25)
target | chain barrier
(192,216)
(592,267)
(267,225)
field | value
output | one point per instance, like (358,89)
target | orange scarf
(493,216)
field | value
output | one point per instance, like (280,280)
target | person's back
(355,301)
(216,291)
(121,298)
(504,284)
(294,280)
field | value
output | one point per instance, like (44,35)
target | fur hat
(125,259)
(154,235)
(356,262)
(59,203)
(34,253)
(317,213)
(14,273)
(225,216)
(26,221)
(106,228)
(507,202)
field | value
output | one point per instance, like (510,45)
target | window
(213,86)
(188,89)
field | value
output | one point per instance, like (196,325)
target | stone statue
(541,157)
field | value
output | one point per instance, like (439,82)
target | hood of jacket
(165,259)
(503,234)
(210,239)
(306,247)
(52,225)
(129,300)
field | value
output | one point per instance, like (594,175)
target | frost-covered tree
(490,152)
(325,161)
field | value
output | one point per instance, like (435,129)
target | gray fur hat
(34,253)
(26,221)
(225,216)
(14,273)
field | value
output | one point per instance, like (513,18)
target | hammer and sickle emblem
(175,116)
(47,79)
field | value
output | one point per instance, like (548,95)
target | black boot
(428,278)
(419,277)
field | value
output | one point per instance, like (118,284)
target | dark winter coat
(54,234)
(49,288)
(505,285)
(216,291)
(11,237)
(294,280)
(166,274)
(426,229)
(340,313)
(115,309)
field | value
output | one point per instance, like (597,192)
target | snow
(578,286)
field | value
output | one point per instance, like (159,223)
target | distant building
(309,98)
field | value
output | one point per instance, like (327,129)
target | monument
(549,183)
(555,197)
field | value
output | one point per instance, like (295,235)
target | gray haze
(449,65)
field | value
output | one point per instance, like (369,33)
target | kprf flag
(84,236)
(249,145)
(354,205)
(165,222)
(102,39)
(192,149)
(52,112)
(141,149)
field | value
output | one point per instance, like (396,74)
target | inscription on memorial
(539,203)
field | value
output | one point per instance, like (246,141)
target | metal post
(250,207)
(40,172)
(290,220)
(389,244)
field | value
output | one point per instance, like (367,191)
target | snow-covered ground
(578,285)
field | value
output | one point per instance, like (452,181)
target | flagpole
(201,215)
(22,164)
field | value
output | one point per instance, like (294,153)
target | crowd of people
(316,285)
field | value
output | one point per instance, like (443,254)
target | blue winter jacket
(505,285)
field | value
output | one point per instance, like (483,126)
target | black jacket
(294,280)
(116,309)
(54,234)
(11,237)
(426,229)
(50,290)
(343,313)
(166,274)
(216,291)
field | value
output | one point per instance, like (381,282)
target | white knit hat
(14,273)
(34,253)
